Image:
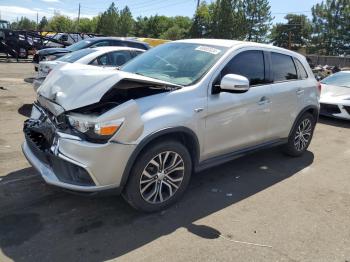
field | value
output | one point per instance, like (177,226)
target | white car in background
(335,95)
(106,56)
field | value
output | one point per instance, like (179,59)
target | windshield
(177,63)
(74,56)
(79,45)
(4,25)
(338,79)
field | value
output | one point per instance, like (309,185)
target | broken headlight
(95,131)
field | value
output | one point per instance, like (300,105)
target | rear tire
(301,135)
(160,176)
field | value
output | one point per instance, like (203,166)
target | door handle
(300,91)
(264,100)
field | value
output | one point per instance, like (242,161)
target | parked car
(180,107)
(335,95)
(54,53)
(66,38)
(106,56)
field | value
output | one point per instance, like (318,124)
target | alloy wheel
(162,177)
(303,135)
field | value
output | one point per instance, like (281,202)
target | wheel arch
(182,134)
(312,109)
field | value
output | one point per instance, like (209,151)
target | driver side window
(249,64)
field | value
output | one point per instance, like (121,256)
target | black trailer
(19,44)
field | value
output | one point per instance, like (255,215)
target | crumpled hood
(76,85)
(334,92)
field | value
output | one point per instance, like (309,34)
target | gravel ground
(262,207)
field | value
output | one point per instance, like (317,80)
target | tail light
(319,86)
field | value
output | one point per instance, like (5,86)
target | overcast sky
(11,9)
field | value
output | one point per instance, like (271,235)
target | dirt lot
(293,209)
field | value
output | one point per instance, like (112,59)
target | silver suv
(178,108)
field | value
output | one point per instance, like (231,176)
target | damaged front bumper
(69,162)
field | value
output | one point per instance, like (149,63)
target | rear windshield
(74,56)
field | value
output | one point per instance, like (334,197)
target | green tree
(201,22)
(24,24)
(126,22)
(174,33)
(108,22)
(140,26)
(43,23)
(183,22)
(258,19)
(223,20)
(296,32)
(61,23)
(331,27)
(227,19)
(85,25)
(157,25)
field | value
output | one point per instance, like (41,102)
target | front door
(238,120)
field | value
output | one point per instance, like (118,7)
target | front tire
(301,135)
(159,177)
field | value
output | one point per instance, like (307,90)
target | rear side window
(136,53)
(283,67)
(119,58)
(249,64)
(100,61)
(301,69)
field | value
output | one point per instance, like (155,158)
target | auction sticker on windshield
(208,49)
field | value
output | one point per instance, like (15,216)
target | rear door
(239,120)
(286,95)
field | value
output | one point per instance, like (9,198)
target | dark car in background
(54,53)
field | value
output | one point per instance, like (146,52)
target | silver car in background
(105,56)
(178,108)
(335,95)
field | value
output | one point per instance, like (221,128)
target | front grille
(330,109)
(347,108)
(41,133)
(36,147)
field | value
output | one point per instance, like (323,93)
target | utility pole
(78,16)
(37,21)
(198,2)
(289,40)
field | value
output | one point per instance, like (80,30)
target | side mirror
(234,83)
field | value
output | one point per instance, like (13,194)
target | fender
(316,114)
(150,138)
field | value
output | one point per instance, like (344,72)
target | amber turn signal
(106,130)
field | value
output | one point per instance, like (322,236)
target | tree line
(327,33)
